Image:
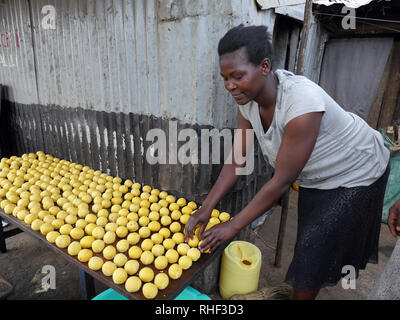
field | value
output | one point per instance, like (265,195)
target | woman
(340,163)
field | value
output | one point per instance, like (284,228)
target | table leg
(87,285)
(3,247)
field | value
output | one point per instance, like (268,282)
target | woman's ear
(266,66)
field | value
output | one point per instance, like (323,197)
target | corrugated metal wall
(90,89)
(147,57)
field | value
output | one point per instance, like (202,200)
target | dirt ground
(22,264)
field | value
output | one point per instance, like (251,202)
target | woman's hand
(200,217)
(218,235)
(394,219)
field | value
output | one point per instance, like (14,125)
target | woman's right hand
(394,219)
(200,217)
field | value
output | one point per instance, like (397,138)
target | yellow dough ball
(194,242)
(101,221)
(150,290)
(161,280)
(185,262)
(166,220)
(161,262)
(192,205)
(157,238)
(71,219)
(181,202)
(154,226)
(52,236)
(144,221)
(168,244)
(147,257)
(144,232)
(154,216)
(109,237)
(186,210)
(81,223)
(183,248)
(123,245)
(135,252)
(176,215)
(95,263)
(143,212)
(90,227)
(122,221)
(146,274)
(120,259)
(164,211)
(98,233)
(121,232)
(131,267)
(87,241)
(170,199)
(84,255)
(224,216)
(178,237)
(63,241)
(172,256)
(194,254)
(133,284)
(175,271)
(98,246)
(111,226)
(108,268)
(133,238)
(77,233)
(157,250)
(119,276)
(132,226)
(36,224)
(175,227)
(147,245)
(173,207)
(133,216)
(165,232)
(109,252)
(74,248)
(184,218)
(45,228)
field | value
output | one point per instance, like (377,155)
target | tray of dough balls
(129,236)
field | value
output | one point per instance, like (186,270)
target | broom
(279,292)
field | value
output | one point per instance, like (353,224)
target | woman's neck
(267,98)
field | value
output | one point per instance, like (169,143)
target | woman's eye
(238,77)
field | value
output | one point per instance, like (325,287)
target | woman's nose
(229,85)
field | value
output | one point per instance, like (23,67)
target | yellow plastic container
(240,269)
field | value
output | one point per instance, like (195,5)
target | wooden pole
(304,37)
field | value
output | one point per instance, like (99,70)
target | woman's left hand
(217,235)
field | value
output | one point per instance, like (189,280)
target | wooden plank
(392,91)
(304,38)
(375,111)
(172,291)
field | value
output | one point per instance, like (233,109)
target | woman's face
(242,79)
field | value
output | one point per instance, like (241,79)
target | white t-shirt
(348,152)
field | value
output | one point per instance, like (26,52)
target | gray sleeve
(302,99)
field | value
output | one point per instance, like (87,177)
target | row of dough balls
(167,208)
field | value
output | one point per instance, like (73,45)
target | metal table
(87,275)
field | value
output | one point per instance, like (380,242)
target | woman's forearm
(263,201)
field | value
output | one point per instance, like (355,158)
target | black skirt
(336,228)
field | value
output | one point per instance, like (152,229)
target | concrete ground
(23,263)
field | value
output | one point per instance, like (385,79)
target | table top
(174,288)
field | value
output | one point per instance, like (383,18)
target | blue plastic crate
(188,294)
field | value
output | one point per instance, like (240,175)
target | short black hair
(256,39)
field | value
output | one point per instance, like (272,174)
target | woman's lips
(238,96)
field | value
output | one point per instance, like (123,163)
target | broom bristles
(281,291)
